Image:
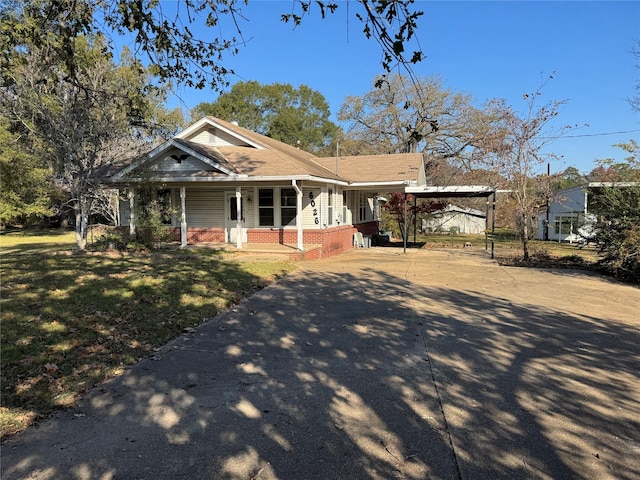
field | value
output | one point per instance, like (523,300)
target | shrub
(617,231)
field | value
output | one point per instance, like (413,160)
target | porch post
(238,217)
(183,217)
(299,214)
(132,225)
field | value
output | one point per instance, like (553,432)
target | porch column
(183,217)
(238,217)
(132,225)
(299,214)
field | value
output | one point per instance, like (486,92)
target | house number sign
(315,210)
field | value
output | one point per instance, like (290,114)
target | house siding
(566,204)
(205,208)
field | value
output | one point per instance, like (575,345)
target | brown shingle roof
(277,159)
(376,168)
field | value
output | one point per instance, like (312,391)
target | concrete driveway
(374,365)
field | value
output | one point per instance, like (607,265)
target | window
(362,207)
(288,200)
(266,207)
(344,207)
(330,206)
(568,224)
(233,209)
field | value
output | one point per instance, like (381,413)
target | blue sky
(486,49)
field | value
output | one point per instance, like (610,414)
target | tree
(83,120)
(635,100)
(571,177)
(296,116)
(519,155)
(26,189)
(401,115)
(616,231)
(164,34)
(396,208)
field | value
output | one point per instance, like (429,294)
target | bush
(617,231)
(111,241)
(150,229)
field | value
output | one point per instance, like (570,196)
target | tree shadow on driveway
(361,375)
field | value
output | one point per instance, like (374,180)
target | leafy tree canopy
(616,231)
(26,189)
(164,34)
(296,116)
(569,178)
(80,121)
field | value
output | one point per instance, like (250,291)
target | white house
(225,183)
(568,213)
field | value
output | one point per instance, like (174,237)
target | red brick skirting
(330,241)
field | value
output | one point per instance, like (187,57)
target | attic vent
(180,158)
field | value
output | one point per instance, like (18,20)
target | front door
(232,219)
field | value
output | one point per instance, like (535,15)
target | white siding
(205,208)
(312,207)
(250,215)
(217,138)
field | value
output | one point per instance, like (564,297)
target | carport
(455,191)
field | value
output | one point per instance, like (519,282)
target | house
(454,219)
(567,216)
(227,184)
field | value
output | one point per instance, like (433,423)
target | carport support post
(404,235)
(486,225)
(415,219)
(183,217)
(493,224)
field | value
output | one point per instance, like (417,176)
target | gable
(215,137)
(179,158)
(176,160)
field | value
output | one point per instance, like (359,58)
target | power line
(596,134)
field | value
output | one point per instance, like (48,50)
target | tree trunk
(525,238)
(82,216)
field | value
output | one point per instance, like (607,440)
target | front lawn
(72,321)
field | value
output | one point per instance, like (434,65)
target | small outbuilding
(454,219)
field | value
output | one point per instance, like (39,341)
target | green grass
(507,246)
(72,321)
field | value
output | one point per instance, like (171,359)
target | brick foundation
(330,241)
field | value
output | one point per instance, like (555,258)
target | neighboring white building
(458,219)
(569,216)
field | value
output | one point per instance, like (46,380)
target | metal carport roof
(452,191)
